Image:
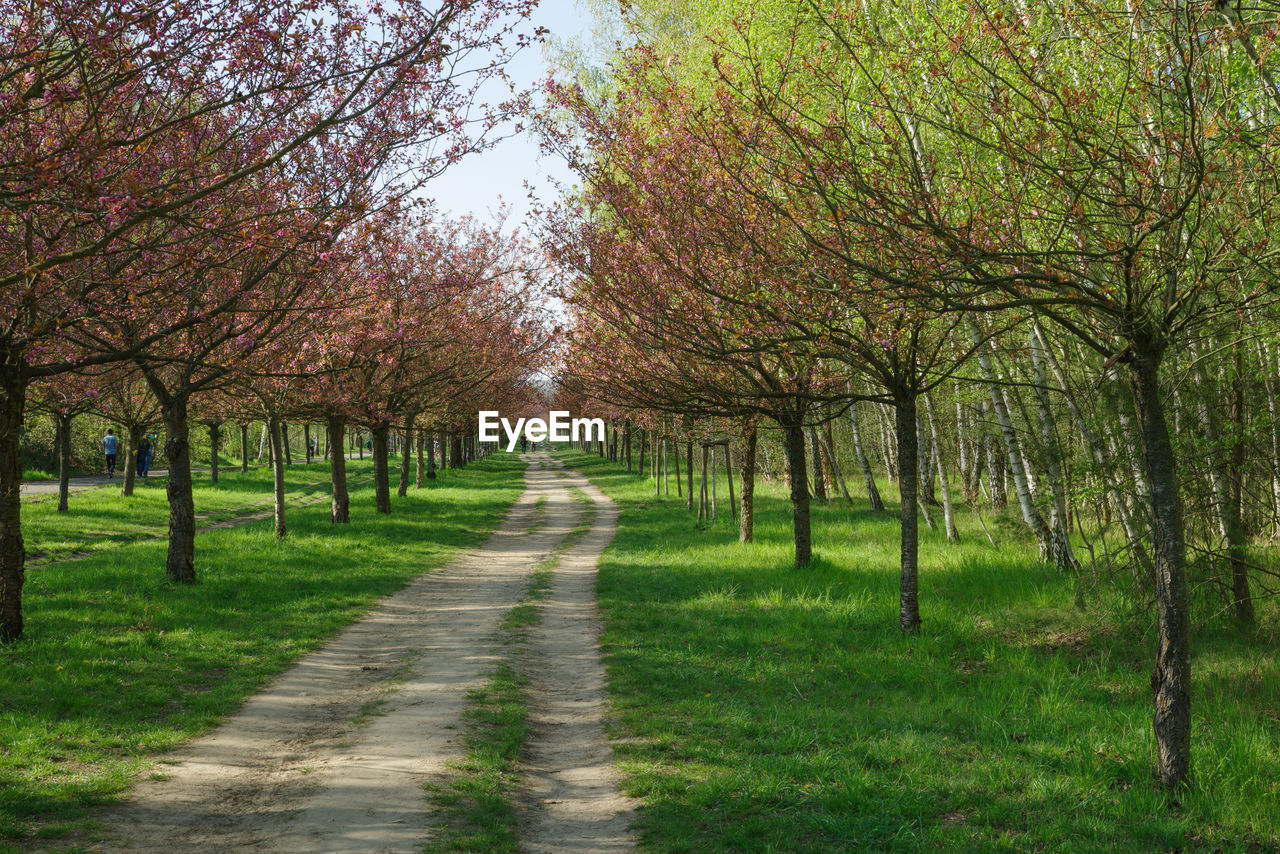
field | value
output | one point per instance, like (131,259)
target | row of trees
(1060,219)
(208,214)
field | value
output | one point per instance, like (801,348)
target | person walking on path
(111,445)
(144,456)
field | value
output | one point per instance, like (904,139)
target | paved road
(50,487)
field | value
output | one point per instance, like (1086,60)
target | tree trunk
(1269,386)
(306,440)
(215,434)
(944,481)
(888,444)
(728,473)
(908,584)
(407,461)
(644,442)
(431,454)
(995,466)
(381,478)
(626,443)
(977,465)
(829,456)
(244,447)
(794,434)
(284,440)
(712,450)
(702,488)
(1013,454)
(420,474)
(747,517)
(339,503)
(927,455)
(1225,466)
(666,475)
(675,452)
(873,494)
(1171,680)
(277,472)
(180,564)
(63,423)
(1134,529)
(12,551)
(1237,537)
(455,450)
(819,482)
(131,459)
(689,453)
(1059,540)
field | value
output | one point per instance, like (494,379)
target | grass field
(118,665)
(761,708)
(100,519)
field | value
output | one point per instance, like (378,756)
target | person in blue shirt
(110,444)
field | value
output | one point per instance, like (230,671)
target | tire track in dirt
(331,756)
(572,801)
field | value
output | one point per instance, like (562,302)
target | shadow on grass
(767,708)
(118,664)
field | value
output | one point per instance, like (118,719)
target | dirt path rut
(572,788)
(332,755)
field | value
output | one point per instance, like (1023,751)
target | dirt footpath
(572,789)
(332,756)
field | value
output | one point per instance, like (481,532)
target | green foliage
(765,709)
(39,451)
(117,665)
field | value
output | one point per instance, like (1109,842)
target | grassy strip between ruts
(118,665)
(475,810)
(761,708)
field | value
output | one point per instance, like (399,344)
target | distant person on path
(524,444)
(144,456)
(311,449)
(110,445)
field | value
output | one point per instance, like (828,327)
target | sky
(480,183)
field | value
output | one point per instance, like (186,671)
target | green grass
(761,708)
(100,518)
(117,665)
(475,810)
